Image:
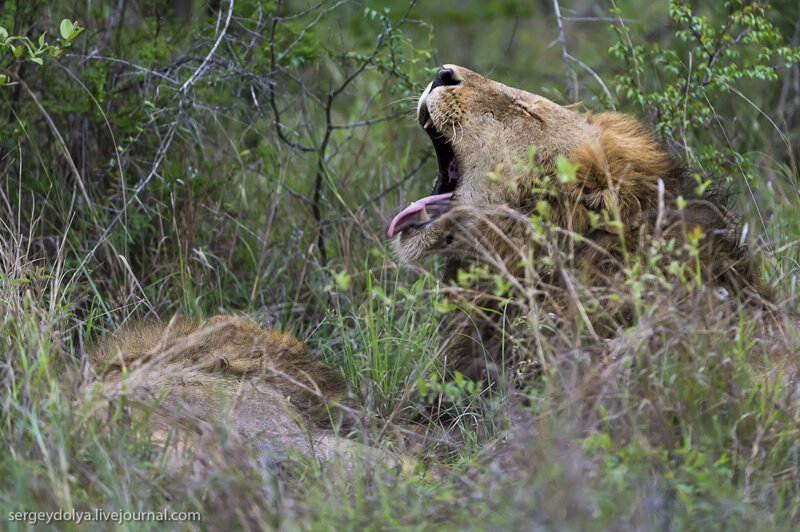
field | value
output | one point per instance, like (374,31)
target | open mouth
(425,211)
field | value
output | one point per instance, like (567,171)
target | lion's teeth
(423,214)
(428,123)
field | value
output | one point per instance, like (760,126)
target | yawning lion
(539,191)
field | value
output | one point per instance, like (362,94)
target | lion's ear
(529,108)
(573,106)
(620,168)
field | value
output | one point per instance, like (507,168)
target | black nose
(445,76)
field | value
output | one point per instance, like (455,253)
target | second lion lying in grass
(186,380)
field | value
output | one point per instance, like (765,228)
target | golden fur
(626,190)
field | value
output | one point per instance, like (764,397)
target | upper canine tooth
(428,123)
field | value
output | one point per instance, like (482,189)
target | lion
(271,394)
(501,155)
(186,379)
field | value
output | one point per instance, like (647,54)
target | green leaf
(3,33)
(342,280)
(66,28)
(444,306)
(37,60)
(565,169)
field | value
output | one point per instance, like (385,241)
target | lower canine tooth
(424,216)
(428,123)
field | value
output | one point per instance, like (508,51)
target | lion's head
(483,133)
(479,126)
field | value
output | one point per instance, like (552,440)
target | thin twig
(162,152)
(129,64)
(197,73)
(369,122)
(572,85)
(271,87)
(402,181)
(597,78)
(55,131)
(562,38)
(322,170)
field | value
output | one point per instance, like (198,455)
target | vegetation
(190,157)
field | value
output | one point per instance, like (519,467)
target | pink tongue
(407,215)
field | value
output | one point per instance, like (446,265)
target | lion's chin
(416,243)
(408,251)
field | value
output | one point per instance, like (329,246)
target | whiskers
(448,123)
(408,105)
